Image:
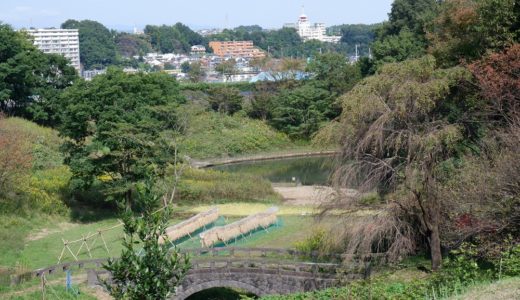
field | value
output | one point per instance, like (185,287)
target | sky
(198,14)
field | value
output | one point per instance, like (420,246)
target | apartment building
(236,49)
(60,41)
(308,31)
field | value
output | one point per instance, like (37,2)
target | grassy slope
(26,206)
(210,134)
(44,183)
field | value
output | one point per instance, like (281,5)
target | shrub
(210,134)
(15,156)
(312,243)
(36,177)
(462,266)
(509,264)
(46,190)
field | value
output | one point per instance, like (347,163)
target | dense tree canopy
(96,43)
(411,14)
(177,38)
(299,112)
(129,45)
(225,99)
(466,29)
(117,125)
(30,80)
(355,34)
(404,35)
(335,71)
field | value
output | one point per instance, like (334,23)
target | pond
(313,170)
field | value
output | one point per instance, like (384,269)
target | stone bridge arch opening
(232,284)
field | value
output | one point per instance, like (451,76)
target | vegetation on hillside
(417,131)
(429,132)
(96,43)
(211,134)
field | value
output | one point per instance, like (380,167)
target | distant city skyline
(124,15)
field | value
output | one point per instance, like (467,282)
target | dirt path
(309,195)
(47,231)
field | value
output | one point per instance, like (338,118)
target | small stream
(313,170)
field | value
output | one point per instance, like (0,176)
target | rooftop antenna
(303,9)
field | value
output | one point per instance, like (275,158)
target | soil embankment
(308,195)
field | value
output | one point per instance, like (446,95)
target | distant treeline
(100,47)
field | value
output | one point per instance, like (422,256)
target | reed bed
(189,226)
(239,228)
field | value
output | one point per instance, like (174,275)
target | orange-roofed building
(235,49)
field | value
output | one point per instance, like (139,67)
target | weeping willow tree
(399,127)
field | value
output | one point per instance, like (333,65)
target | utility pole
(226,22)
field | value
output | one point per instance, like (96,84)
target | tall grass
(209,186)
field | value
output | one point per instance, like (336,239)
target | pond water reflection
(300,170)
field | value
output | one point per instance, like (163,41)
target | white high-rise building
(60,41)
(308,31)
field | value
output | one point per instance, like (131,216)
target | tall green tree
(412,14)
(299,112)
(333,69)
(118,127)
(30,80)
(97,47)
(399,47)
(404,35)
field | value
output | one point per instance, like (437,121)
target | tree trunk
(435,243)
(128,200)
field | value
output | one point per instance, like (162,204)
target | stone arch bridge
(261,271)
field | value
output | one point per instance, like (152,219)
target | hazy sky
(124,14)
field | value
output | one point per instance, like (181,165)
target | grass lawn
(501,290)
(41,247)
(55,289)
(52,292)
